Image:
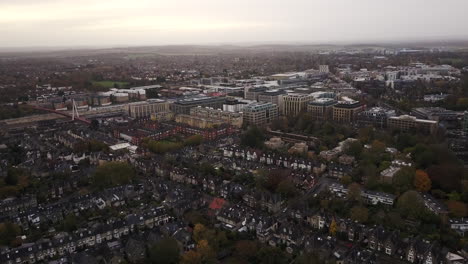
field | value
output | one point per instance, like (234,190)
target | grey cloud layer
(144,22)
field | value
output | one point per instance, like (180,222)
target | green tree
(403,179)
(410,204)
(12,176)
(113,174)
(309,258)
(165,251)
(271,255)
(70,223)
(8,233)
(359,214)
(253,137)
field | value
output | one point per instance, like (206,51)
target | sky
(33,23)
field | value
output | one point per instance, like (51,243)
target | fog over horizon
(53,23)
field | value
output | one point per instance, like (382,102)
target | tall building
(232,118)
(346,111)
(293,104)
(465,123)
(408,123)
(253,93)
(376,117)
(145,109)
(322,108)
(260,113)
(183,106)
(445,117)
(324,69)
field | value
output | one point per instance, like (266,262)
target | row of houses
(66,243)
(273,159)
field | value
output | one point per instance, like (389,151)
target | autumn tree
(354,192)
(191,257)
(246,249)
(457,208)
(333,227)
(422,182)
(359,214)
(208,255)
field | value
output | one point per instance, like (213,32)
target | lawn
(110,84)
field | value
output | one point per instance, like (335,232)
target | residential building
(408,123)
(260,113)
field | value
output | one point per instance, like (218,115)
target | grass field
(110,84)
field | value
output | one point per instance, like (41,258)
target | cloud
(107,22)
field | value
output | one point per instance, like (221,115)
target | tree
(271,255)
(456,208)
(165,251)
(346,180)
(286,188)
(354,192)
(422,182)
(359,214)
(70,223)
(12,176)
(333,227)
(253,137)
(194,140)
(246,249)
(191,257)
(378,147)
(207,253)
(309,258)
(403,179)
(8,233)
(411,204)
(112,174)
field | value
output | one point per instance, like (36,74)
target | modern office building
(234,105)
(293,104)
(347,111)
(260,113)
(446,118)
(272,96)
(145,109)
(183,106)
(376,117)
(409,123)
(253,93)
(231,118)
(198,121)
(324,69)
(322,108)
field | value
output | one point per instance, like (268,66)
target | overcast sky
(157,22)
